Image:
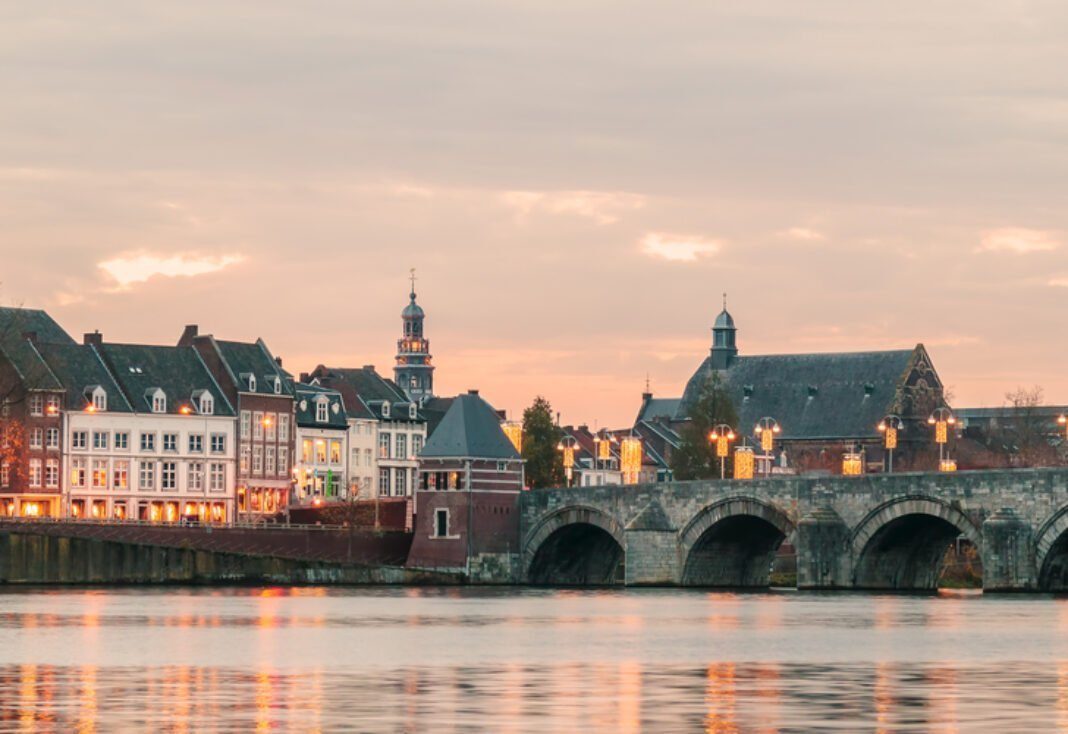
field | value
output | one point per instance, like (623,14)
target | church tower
(414,372)
(724,334)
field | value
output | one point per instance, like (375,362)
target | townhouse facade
(321,471)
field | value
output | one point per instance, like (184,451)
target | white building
(322,466)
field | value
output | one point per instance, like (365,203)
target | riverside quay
(877,532)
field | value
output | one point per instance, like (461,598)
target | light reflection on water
(460,660)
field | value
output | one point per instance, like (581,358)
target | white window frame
(195,476)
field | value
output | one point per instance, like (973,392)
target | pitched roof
(365,381)
(253,358)
(307,397)
(178,371)
(811,395)
(654,408)
(22,352)
(434,410)
(79,367)
(470,428)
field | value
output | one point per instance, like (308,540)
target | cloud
(1061,282)
(804,234)
(130,269)
(1018,241)
(678,248)
(603,207)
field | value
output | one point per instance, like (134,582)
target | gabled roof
(80,368)
(654,408)
(434,409)
(307,397)
(811,395)
(470,429)
(23,353)
(364,392)
(253,358)
(177,371)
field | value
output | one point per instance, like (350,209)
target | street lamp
(602,453)
(942,419)
(890,426)
(766,430)
(1063,420)
(568,446)
(722,435)
(853,462)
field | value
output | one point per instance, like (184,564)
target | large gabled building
(321,467)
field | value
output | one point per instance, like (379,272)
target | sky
(577,183)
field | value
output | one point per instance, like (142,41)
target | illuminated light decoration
(722,435)
(630,454)
(51,410)
(947,465)
(514,431)
(604,451)
(941,431)
(185,410)
(767,441)
(891,438)
(744,462)
(852,464)
(90,408)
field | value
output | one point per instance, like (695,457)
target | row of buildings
(204,429)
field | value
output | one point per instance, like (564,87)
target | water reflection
(404,660)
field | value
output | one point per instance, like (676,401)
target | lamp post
(602,450)
(766,430)
(942,419)
(568,446)
(890,426)
(722,435)
(1063,420)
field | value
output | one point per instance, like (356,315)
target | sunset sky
(576,182)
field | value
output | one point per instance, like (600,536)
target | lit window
(320,451)
(335,452)
(120,475)
(100,474)
(78,472)
(384,443)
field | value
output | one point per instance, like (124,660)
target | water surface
(461,660)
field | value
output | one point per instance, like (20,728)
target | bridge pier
(1008,555)
(652,549)
(824,559)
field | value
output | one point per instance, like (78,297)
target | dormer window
(322,410)
(157,399)
(97,398)
(413,412)
(869,389)
(277,385)
(207,405)
(252,383)
(385,410)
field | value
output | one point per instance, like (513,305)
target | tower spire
(412,277)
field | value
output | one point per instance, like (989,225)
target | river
(516,660)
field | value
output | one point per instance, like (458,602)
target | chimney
(473,392)
(190,333)
(278,361)
(94,339)
(30,336)
(369,368)
(304,377)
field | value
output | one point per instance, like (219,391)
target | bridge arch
(1051,552)
(732,543)
(901,543)
(575,546)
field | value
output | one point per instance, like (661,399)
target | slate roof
(654,408)
(178,371)
(22,353)
(471,428)
(78,367)
(253,358)
(813,396)
(306,396)
(434,410)
(367,390)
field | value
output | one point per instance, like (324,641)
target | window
(52,438)
(441,523)
(385,410)
(146,477)
(257,425)
(218,476)
(322,410)
(77,472)
(417,445)
(383,482)
(246,454)
(257,460)
(36,438)
(170,442)
(196,443)
(252,383)
(148,442)
(100,400)
(36,404)
(196,476)
(320,451)
(402,446)
(283,427)
(159,402)
(35,472)
(52,473)
(52,407)
(306,451)
(100,440)
(122,440)
(335,452)
(168,475)
(270,425)
(413,412)
(502,466)
(120,474)
(79,440)
(277,386)
(368,457)
(400,486)
(5,473)
(246,423)
(268,468)
(218,443)
(207,405)
(283,461)
(100,474)
(383,445)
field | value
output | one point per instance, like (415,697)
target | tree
(696,456)
(544,465)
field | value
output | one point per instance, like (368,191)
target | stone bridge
(872,532)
